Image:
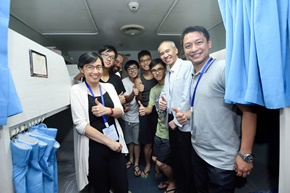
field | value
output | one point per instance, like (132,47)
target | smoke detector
(133,6)
(132,30)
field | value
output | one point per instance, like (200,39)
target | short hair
(120,55)
(195,29)
(130,63)
(143,53)
(167,41)
(156,61)
(89,57)
(108,48)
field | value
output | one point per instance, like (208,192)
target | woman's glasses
(92,67)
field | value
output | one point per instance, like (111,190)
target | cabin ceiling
(77,25)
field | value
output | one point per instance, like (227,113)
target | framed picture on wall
(38,64)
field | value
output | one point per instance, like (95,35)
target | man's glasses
(107,56)
(92,67)
(159,70)
(132,69)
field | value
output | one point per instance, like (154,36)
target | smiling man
(175,94)
(161,145)
(222,140)
(148,122)
(118,65)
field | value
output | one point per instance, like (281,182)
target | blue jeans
(209,179)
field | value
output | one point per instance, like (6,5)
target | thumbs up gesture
(162,104)
(141,109)
(180,116)
(122,98)
(141,87)
(135,91)
(99,110)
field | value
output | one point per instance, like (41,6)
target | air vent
(132,30)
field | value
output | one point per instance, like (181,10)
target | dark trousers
(107,169)
(209,179)
(180,143)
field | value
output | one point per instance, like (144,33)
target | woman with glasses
(98,138)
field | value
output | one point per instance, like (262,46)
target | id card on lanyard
(193,128)
(109,131)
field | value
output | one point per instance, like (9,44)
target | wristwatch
(247,157)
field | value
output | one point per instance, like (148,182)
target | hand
(172,125)
(242,167)
(162,104)
(135,91)
(115,146)
(180,116)
(141,109)
(126,107)
(122,98)
(99,110)
(141,87)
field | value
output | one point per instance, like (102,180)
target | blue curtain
(257,52)
(9,101)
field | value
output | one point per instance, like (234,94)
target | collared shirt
(176,89)
(215,125)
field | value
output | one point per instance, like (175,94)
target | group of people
(172,108)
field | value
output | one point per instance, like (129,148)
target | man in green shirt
(161,148)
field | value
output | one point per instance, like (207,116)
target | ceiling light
(132,30)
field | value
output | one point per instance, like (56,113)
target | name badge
(111,132)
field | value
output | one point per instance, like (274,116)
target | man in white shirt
(175,94)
